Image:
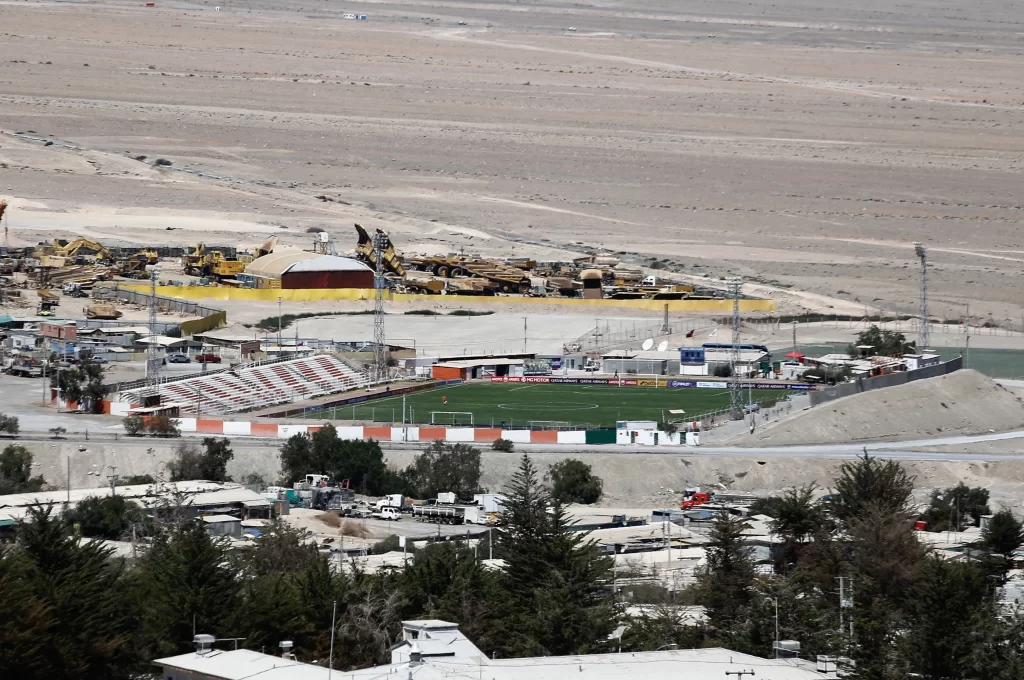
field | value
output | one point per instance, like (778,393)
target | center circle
(562,406)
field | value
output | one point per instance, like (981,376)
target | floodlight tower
(735,287)
(380,367)
(922,337)
(153,360)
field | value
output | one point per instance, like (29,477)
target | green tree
(554,577)
(726,585)
(209,464)
(881,343)
(133,425)
(27,623)
(799,515)
(660,627)
(16,471)
(573,481)
(448,467)
(951,506)
(84,590)
(950,602)
(186,581)
(111,517)
(1002,535)
(9,424)
(870,481)
(361,462)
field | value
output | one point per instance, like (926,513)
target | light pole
(776,601)
(279,317)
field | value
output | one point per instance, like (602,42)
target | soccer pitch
(541,404)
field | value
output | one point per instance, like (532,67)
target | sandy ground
(633,480)
(802,145)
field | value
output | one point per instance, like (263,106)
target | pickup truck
(388,513)
(208,359)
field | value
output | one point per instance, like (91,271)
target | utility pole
(665,328)
(153,360)
(280,318)
(794,339)
(524,335)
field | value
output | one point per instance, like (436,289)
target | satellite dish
(648,343)
(663,345)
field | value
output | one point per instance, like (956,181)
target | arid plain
(801,145)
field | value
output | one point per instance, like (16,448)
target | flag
(689,334)
(713,333)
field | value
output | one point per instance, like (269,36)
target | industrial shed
(295,268)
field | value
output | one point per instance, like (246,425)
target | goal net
(549,424)
(451,418)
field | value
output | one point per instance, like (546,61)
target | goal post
(451,418)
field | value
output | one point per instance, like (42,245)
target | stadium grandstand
(252,386)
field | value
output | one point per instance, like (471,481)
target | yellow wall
(332,294)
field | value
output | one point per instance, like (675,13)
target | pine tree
(726,585)
(187,585)
(556,579)
(81,590)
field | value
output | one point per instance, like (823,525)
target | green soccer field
(522,405)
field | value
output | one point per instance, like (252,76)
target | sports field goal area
(451,418)
(544,406)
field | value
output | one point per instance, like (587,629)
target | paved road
(894,450)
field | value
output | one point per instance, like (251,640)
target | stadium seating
(256,386)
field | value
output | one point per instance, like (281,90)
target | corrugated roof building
(296,269)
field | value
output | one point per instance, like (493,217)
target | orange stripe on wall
(486,434)
(378,433)
(429,434)
(210,426)
(544,437)
(263,429)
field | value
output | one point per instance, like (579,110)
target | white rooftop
(218,519)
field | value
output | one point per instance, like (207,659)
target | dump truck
(365,252)
(506,278)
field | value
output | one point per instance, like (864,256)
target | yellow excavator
(60,252)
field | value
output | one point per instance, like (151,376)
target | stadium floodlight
(922,337)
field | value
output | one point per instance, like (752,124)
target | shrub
(572,481)
(9,424)
(723,371)
(133,425)
(503,445)
(163,426)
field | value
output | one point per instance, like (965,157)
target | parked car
(179,359)
(208,359)
(99,360)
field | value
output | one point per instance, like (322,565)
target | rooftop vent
(415,655)
(286,649)
(203,643)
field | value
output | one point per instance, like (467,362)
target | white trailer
(490,502)
(447,498)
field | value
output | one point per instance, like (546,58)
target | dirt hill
(961,403)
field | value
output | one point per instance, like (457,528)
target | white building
(437,650)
